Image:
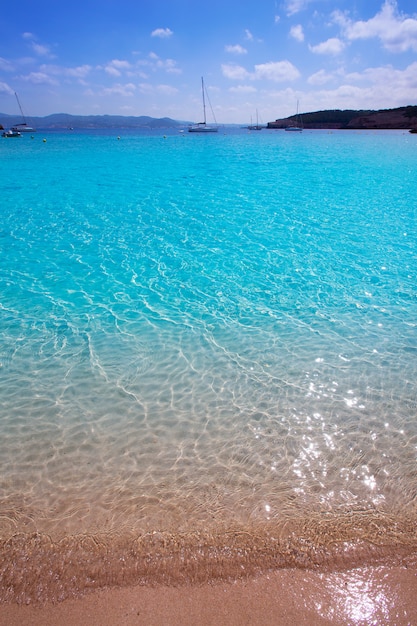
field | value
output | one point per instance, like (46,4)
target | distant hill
(61,121)
(403,117)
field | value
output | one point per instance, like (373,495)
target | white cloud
(166,90)
(361,90)
(4,88)
(277,71)
(79,72)
(5,65)
(242,89)
(319,78)
(250,37)
(397,33)
(297,32)
(235,72)
(163,33)
(146,88)
(398,80)
(237,49)
(39,49)
(295,6)
(156,63)
(150,89)
(343,97)
(39,78)
(169,65)
(126,90)
(331,46)
(116,67)
(119,63)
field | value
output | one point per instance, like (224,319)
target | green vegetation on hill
(333,116)
(410,111)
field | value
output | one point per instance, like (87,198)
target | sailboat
(23,126)
(298,126)
(256,126)
(203,127)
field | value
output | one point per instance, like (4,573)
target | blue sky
(146,57)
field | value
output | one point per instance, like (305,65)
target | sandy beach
(378,595)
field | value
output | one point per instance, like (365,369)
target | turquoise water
(205,337)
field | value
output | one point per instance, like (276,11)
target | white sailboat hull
(202,128)
(23,128)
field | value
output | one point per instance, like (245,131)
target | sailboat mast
(204,99)
(20,107)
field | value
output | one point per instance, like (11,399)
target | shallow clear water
(200,333)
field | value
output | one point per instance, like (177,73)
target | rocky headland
(401,118)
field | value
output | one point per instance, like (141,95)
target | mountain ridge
(62,121)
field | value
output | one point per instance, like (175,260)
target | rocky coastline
(400,118)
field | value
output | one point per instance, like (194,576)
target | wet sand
(244,578)
(366,595)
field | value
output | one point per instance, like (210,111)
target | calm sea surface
(208,354)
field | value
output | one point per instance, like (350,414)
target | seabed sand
(367,595)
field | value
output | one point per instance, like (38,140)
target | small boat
(298,126)
(413,130)
(22,127)
(11,133)
(203,127)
